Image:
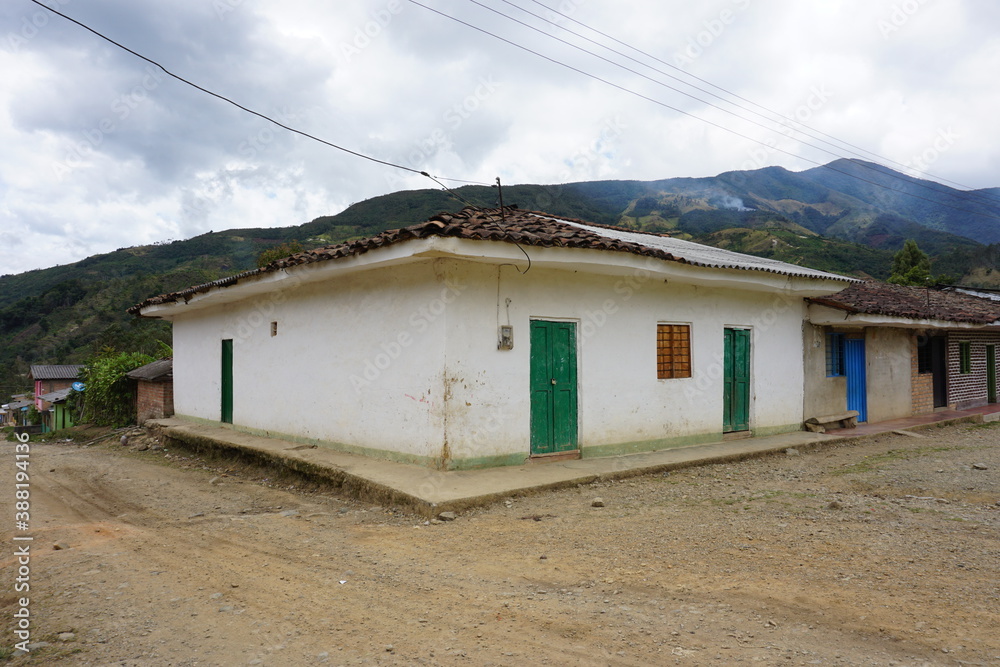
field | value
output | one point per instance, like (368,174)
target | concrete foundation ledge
(428,492)
(302,459)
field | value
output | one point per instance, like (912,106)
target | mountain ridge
(818,217)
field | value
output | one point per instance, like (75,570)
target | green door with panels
(227,381)
(736,380)
(553,387)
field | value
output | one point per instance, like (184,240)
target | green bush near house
(34,416)
(109,399)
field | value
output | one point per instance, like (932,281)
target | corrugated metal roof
(64,372)
(162,369)
(708,256)
(526,228)
(56,396)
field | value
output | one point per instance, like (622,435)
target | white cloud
(101,152)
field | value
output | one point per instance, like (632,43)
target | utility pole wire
(247,109)
(728,92)
(703,120)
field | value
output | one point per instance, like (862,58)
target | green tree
(277,252)
(108,398)
(911,266)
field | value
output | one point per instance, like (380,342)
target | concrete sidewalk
(429,492)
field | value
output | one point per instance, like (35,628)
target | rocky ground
(881,552)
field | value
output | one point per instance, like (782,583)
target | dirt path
(880,553)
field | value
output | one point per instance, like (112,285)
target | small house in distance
(15,413)
(493,337)
(59,416)
(52,386)
(891,351)
(154,390)
(48,379)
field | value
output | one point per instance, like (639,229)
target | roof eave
(829,315)
(493,252)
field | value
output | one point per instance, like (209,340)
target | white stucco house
(488,338)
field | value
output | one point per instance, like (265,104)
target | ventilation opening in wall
(274,328)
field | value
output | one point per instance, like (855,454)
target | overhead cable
(249,110)
(725,90)
(699,118)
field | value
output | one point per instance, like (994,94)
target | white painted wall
(404,359)
(888,360)
(620,398)
(356,361)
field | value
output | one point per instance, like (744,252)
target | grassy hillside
(816,218)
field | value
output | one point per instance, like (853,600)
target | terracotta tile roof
(64,372)
(918,303)
(527,229)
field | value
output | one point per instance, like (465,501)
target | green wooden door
(991,373)
(553,387)
(227,381)
(736,380)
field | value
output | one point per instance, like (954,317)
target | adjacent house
(58,416)
(487,338)
(154,391)
(52,378)
(16,412)
(889,351)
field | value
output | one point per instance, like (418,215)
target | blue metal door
(857,386)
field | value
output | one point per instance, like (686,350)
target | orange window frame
(673,351)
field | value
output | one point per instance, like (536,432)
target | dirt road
(880,553)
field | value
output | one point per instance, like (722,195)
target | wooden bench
(847,419)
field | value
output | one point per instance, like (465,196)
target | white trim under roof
(814,283)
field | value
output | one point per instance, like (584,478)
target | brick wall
(154,400)
(967,390)
(921,384)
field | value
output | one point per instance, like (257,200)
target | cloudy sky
(102,150)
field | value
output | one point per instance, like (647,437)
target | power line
(696,117)
(251,111)
(784,122)
(728,92)
(439,179)
(486,212)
